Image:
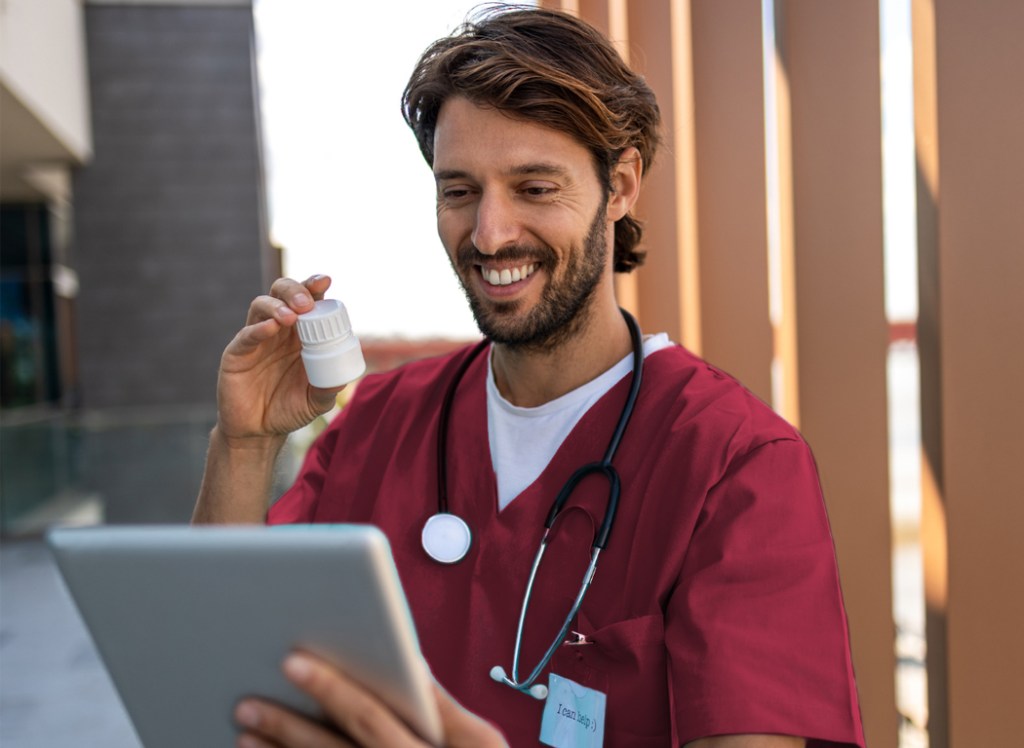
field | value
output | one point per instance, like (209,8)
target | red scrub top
(716,607)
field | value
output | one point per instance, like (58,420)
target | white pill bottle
(330,351)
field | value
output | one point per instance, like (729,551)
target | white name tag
(573,715)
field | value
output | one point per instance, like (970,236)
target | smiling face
(523,218)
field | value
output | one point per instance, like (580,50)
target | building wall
(170,231)
(42,73)
(140,266)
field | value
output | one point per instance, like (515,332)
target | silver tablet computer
(188,620)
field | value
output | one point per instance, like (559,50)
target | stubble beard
(565,306)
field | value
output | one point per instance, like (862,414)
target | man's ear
(625,181)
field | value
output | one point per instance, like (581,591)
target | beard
(565,303)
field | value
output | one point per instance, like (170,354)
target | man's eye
(539,191)
(455,193)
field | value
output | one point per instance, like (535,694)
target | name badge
(573,715)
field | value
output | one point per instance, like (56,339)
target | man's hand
(360,718)
(262,389)
(263,394)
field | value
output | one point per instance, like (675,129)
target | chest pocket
(627,661)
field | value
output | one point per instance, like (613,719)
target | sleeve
(756,631)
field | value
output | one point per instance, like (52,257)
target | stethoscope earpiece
(539,691)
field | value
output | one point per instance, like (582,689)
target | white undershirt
(523,440)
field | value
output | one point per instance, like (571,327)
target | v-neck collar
(472,471)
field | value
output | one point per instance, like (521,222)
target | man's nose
(497,224)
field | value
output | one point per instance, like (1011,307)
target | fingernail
(297,668)
(247,715)
(302,299)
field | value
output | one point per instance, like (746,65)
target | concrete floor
(54,691)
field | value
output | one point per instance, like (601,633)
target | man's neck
(528,378)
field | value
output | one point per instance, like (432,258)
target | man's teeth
(507,276)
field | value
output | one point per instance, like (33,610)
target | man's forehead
(468,134)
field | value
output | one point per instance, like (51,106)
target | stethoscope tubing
(604,467)
(588,577)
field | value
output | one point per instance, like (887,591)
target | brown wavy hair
(546,67)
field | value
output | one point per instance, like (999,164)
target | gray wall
(170,236)
(170,244)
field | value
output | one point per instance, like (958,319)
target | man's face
(521,214)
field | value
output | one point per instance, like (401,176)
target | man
(715,618)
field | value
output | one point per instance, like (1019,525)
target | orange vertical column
(728,71)
(830,56)
(933,511)
(972,364)
(610,17)
(668,289)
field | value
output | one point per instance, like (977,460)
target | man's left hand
(361,719)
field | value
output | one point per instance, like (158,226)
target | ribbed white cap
(328,321)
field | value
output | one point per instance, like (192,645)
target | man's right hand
(262,390)
(263,394)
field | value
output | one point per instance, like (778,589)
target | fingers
(300,296)
(287,299)
(357,713)
(318,285)
(250,336)
(361,719)
(271,726)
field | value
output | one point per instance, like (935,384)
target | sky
(898,162)
(351,196)
(349,193)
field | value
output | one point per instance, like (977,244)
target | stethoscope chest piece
(446,538)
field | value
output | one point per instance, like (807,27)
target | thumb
(462,728)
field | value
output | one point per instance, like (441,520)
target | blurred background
(835,218)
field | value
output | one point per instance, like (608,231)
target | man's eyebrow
(540,168)
(445,174)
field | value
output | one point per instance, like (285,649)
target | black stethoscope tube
(605,466)
(442,426)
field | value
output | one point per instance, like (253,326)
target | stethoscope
(447,537)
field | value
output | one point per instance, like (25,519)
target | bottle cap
(330,352)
